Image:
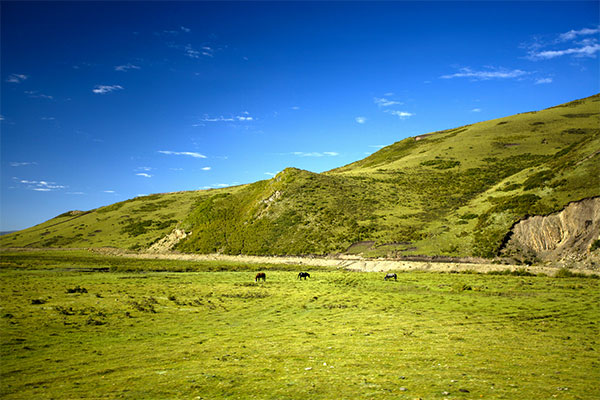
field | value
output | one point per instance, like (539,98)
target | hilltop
(456,193)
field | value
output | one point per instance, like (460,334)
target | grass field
(69,330)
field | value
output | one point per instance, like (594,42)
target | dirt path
(345,262)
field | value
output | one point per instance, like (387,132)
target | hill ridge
(455,192)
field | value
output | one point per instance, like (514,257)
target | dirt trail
(351,263)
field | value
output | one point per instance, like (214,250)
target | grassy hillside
(455,192)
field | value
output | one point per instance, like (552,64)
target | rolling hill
(457,192)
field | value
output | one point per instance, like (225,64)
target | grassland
(79,325)
(455,193)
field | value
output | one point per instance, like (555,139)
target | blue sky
(102,102)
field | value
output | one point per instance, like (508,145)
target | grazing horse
(259,276)
(390,276)
(303,275)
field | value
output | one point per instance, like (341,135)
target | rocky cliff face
(565,237)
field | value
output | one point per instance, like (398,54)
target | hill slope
(456,192)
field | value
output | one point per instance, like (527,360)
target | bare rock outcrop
(168,242)
(564,237)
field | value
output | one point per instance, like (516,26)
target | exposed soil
(351,263)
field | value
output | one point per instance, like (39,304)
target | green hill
(456,192)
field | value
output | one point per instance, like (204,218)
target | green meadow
(78,325)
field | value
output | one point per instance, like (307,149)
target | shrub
(77,289)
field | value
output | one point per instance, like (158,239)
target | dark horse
(259,276)
(303,275)
(390,276)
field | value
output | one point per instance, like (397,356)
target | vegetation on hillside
(456,192)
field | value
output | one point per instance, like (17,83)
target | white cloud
(585,51)
(543,80)
(206,169)
(399,114)
(476,110)
(183,28)
(315,154)
(145,175)
(217,119)
(383,102)
(22,164)
(147,169)
(176,169)
(574,43)
(295,108)
(216,185)
(1,117)
(572,34)
(360,120)
(126,67)
(16,78)
(245,117)
(78,193)
(494,73)
(108,191)
(48,118)
(37,95)
(40,186)
(182,153)
(271,173)
(103,89)
(191,52)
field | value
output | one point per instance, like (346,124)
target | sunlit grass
(338,334)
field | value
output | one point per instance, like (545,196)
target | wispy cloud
(573,34)
(216,186)
(244,117)
(316,154)
(206,168)
(37,95)
(271,173)
(384,102)
(126,67)
(360,120)
(48,118)
(574,43)
(16,78)
(492,73)
(40,186)
(1,117)
(22,164)
(145,175)
(543,80)
(476,110)
(77,193)
(295,108)
(584,51)
(192,52)
(108,191)
(147,169)
(184,29)
(399,114)
(103,89)
(182,153)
